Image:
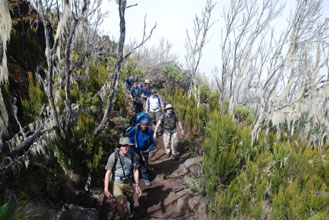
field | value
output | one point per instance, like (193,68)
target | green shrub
(33,103)
(274,180)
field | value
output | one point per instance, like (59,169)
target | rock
(192,161)
(182,205)
(179,172)
(79,213)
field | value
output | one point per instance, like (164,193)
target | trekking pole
(142,156)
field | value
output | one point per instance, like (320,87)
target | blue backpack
(141,115)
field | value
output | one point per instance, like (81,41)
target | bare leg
(120,207)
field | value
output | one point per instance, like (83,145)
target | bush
(271,180)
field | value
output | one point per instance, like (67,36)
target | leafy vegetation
(270,179)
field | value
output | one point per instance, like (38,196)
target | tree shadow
(166,167)
(151,196)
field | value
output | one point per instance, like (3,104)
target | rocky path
(167,197)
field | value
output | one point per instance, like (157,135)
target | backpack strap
(115,163)
(135,136)
(148,103)
(159,101)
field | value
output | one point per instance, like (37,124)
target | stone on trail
(80,213)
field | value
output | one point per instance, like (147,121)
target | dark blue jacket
(145,141)
(147,92)
(135,92)
(128,84)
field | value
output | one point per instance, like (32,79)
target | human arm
(161,104)
(106,184)
(181,127)
(151,142)
(147,105)
(136,178)
(156,129)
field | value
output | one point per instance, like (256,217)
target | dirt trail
(161,200)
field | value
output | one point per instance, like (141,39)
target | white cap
(168,106)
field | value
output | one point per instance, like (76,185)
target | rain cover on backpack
(142,115)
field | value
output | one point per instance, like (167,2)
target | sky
(173,18)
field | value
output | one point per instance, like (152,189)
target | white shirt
(154,103)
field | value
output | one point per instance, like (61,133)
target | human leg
(118,193)
(153,117)
(144,167)
(166,139)
(173,143)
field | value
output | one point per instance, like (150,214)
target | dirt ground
(163,199)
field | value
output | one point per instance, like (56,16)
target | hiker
(135,95)
(154,106)
(142,136)
(169,120)
(123,165)
(129,82)
(146,90)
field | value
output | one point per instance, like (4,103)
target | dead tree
(73,12)
(295,81)
(5,28)
(196,44)
(246,25)
(121,57)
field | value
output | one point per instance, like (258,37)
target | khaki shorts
(122,190)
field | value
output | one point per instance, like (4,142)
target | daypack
(132,123)
(148,102)
(141,115)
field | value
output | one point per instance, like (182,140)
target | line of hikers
(127,163)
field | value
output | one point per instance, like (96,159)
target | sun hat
(125,141)
(168,106)
(147,81)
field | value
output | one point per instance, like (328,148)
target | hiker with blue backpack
(142,137)
(123,166)
(154,106)
(169,121)
(129,82)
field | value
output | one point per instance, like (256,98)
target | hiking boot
(147,182)
(131,210)
(176,157)
(167,155)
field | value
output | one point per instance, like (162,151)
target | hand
(138,157)
(154,136)
(182,132)
(138,190)
(107,194)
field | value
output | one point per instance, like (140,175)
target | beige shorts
(122,190)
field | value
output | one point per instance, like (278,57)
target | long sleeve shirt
(153,103)
(144,139)
(146,91)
